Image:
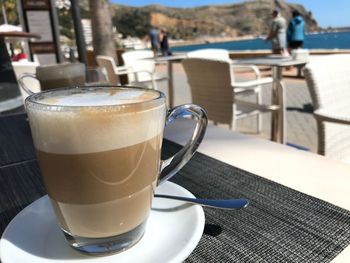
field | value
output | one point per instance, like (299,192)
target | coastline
(316,41)
(209,40)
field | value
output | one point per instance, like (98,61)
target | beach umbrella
(10,28)
(11,31)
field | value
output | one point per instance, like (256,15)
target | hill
(246,18)
(249,18)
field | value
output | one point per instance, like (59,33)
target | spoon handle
(214,203)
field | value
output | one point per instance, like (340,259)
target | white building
(86,24)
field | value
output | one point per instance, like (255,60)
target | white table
(303,171)
(277,63)
(170,60)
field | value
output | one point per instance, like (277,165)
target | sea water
(338,40)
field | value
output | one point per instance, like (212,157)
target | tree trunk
(102,30)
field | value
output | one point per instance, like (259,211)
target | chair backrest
(210,83)
(214,53)
(110,66)
(328,80)
(139,60)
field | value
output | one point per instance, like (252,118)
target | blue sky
(328,13)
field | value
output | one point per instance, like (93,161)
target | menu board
(36,25)
(39,17)
(36,4)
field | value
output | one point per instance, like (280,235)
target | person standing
(296,31)
(277,34)
(21,56)
(155,41)
(164,44)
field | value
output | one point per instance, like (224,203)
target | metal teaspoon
(214,203)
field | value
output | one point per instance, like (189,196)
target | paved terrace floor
(301,125)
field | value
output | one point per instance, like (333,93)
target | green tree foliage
(132,22)
(66,23)
(11,12)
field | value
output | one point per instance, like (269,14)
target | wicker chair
(142,62)
(113,72)
(213,87)
(223,54)
(328,80)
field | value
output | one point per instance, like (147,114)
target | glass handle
(172,165)
(24,86)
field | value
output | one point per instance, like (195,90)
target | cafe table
(170,61)
(299,201)
(277,63)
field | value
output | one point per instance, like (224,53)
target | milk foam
(90,130)
(101,98)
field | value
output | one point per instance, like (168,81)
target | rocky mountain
(246,18)
(249,18)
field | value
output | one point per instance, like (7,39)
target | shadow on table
(307,108)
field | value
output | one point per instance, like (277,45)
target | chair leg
(154,84)
(233,124)
(259,117)
(321,147)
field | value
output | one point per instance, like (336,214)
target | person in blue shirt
(295,31)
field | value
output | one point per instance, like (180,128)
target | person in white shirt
(278,34)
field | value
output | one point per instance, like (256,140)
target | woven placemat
(279,225)
(15,140)
(20,185)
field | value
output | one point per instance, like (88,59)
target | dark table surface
(280,225)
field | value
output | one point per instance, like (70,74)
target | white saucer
(173,231)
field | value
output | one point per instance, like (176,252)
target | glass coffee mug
(55,76)
(99,152)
